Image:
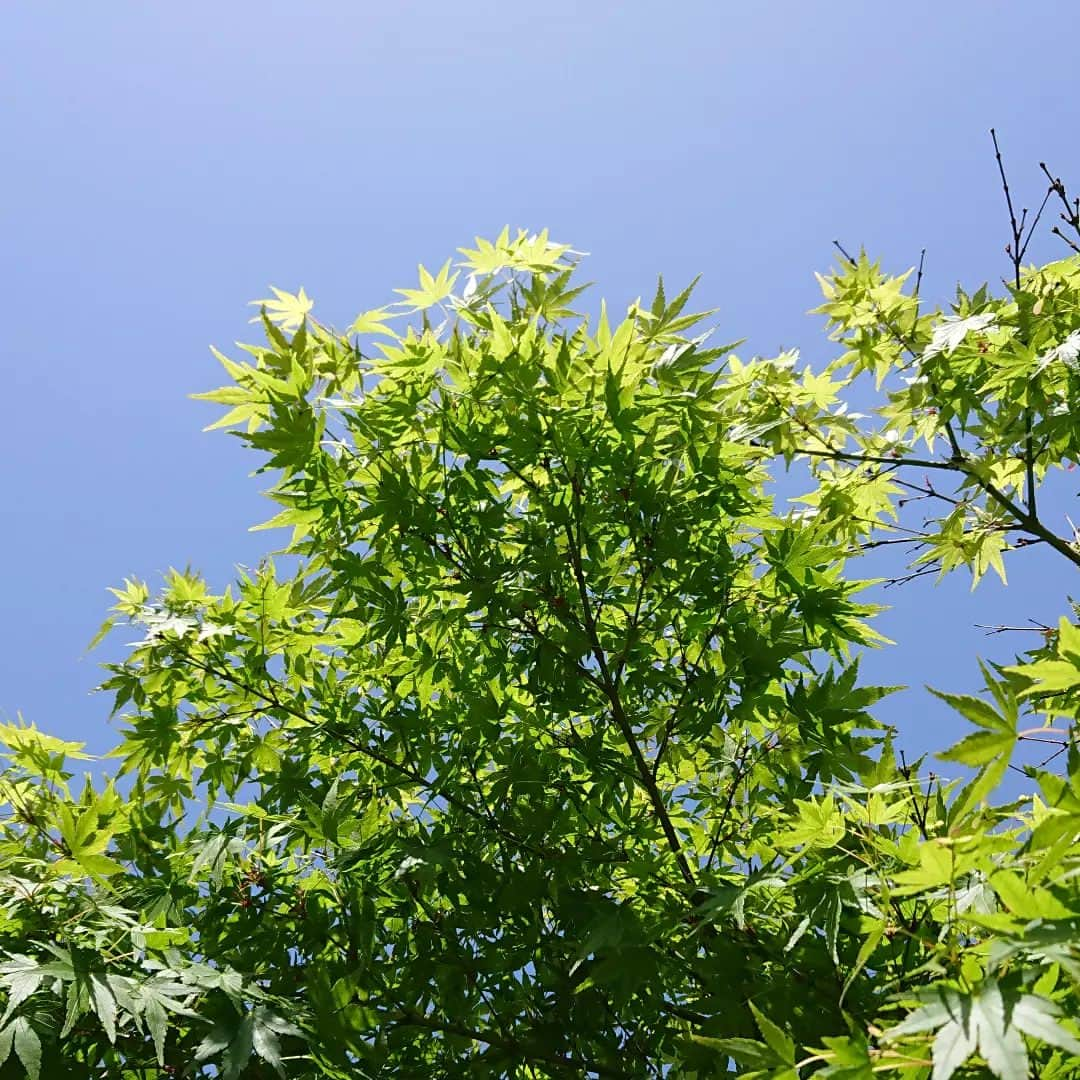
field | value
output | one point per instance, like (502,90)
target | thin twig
(911,577)
(1071,215)
(1035,223)
(1014,249)
(878,459)
(926,492)
(843,251)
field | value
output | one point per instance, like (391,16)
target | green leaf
(1049,676)
(432,291)
(748,1052)
(866,950)
(27,1046)
(372,322)
(820,824)
(102,633)
(157,1024)
(976,710)
(968,1023)
(233,1042)
(996,740)
(99,865)
(848,1058)
(287,310)
(1038,1017)
(20,976)
(104,1005)
(954,1044)
(972,794)
(777,1040)
(267,1026)
(999,1039)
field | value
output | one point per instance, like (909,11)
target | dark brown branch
(1013,249)
(1036,628)
(729,804)
(927,491)
(611,690)
(911,577)
(878,459)
(1024,518)
(1035,223)
(1028,521)
(1071,215)
(870,545)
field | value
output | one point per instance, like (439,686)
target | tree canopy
(540,749)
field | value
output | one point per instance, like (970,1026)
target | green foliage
(548,755)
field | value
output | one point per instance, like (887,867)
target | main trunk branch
(610,686)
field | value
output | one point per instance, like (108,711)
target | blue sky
(164,163)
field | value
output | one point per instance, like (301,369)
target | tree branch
(610,686)
(879,459)
(1029,522)
(407,771)
(1025,519)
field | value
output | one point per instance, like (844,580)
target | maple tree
(548,754)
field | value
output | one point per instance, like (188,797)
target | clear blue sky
(164,163)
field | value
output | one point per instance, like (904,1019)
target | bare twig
(1013,249)
(1035,628)
(1035,223)
(911,577)
(927,491)
(844,251)
(1071,214)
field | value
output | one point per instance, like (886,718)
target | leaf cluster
(540,749)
